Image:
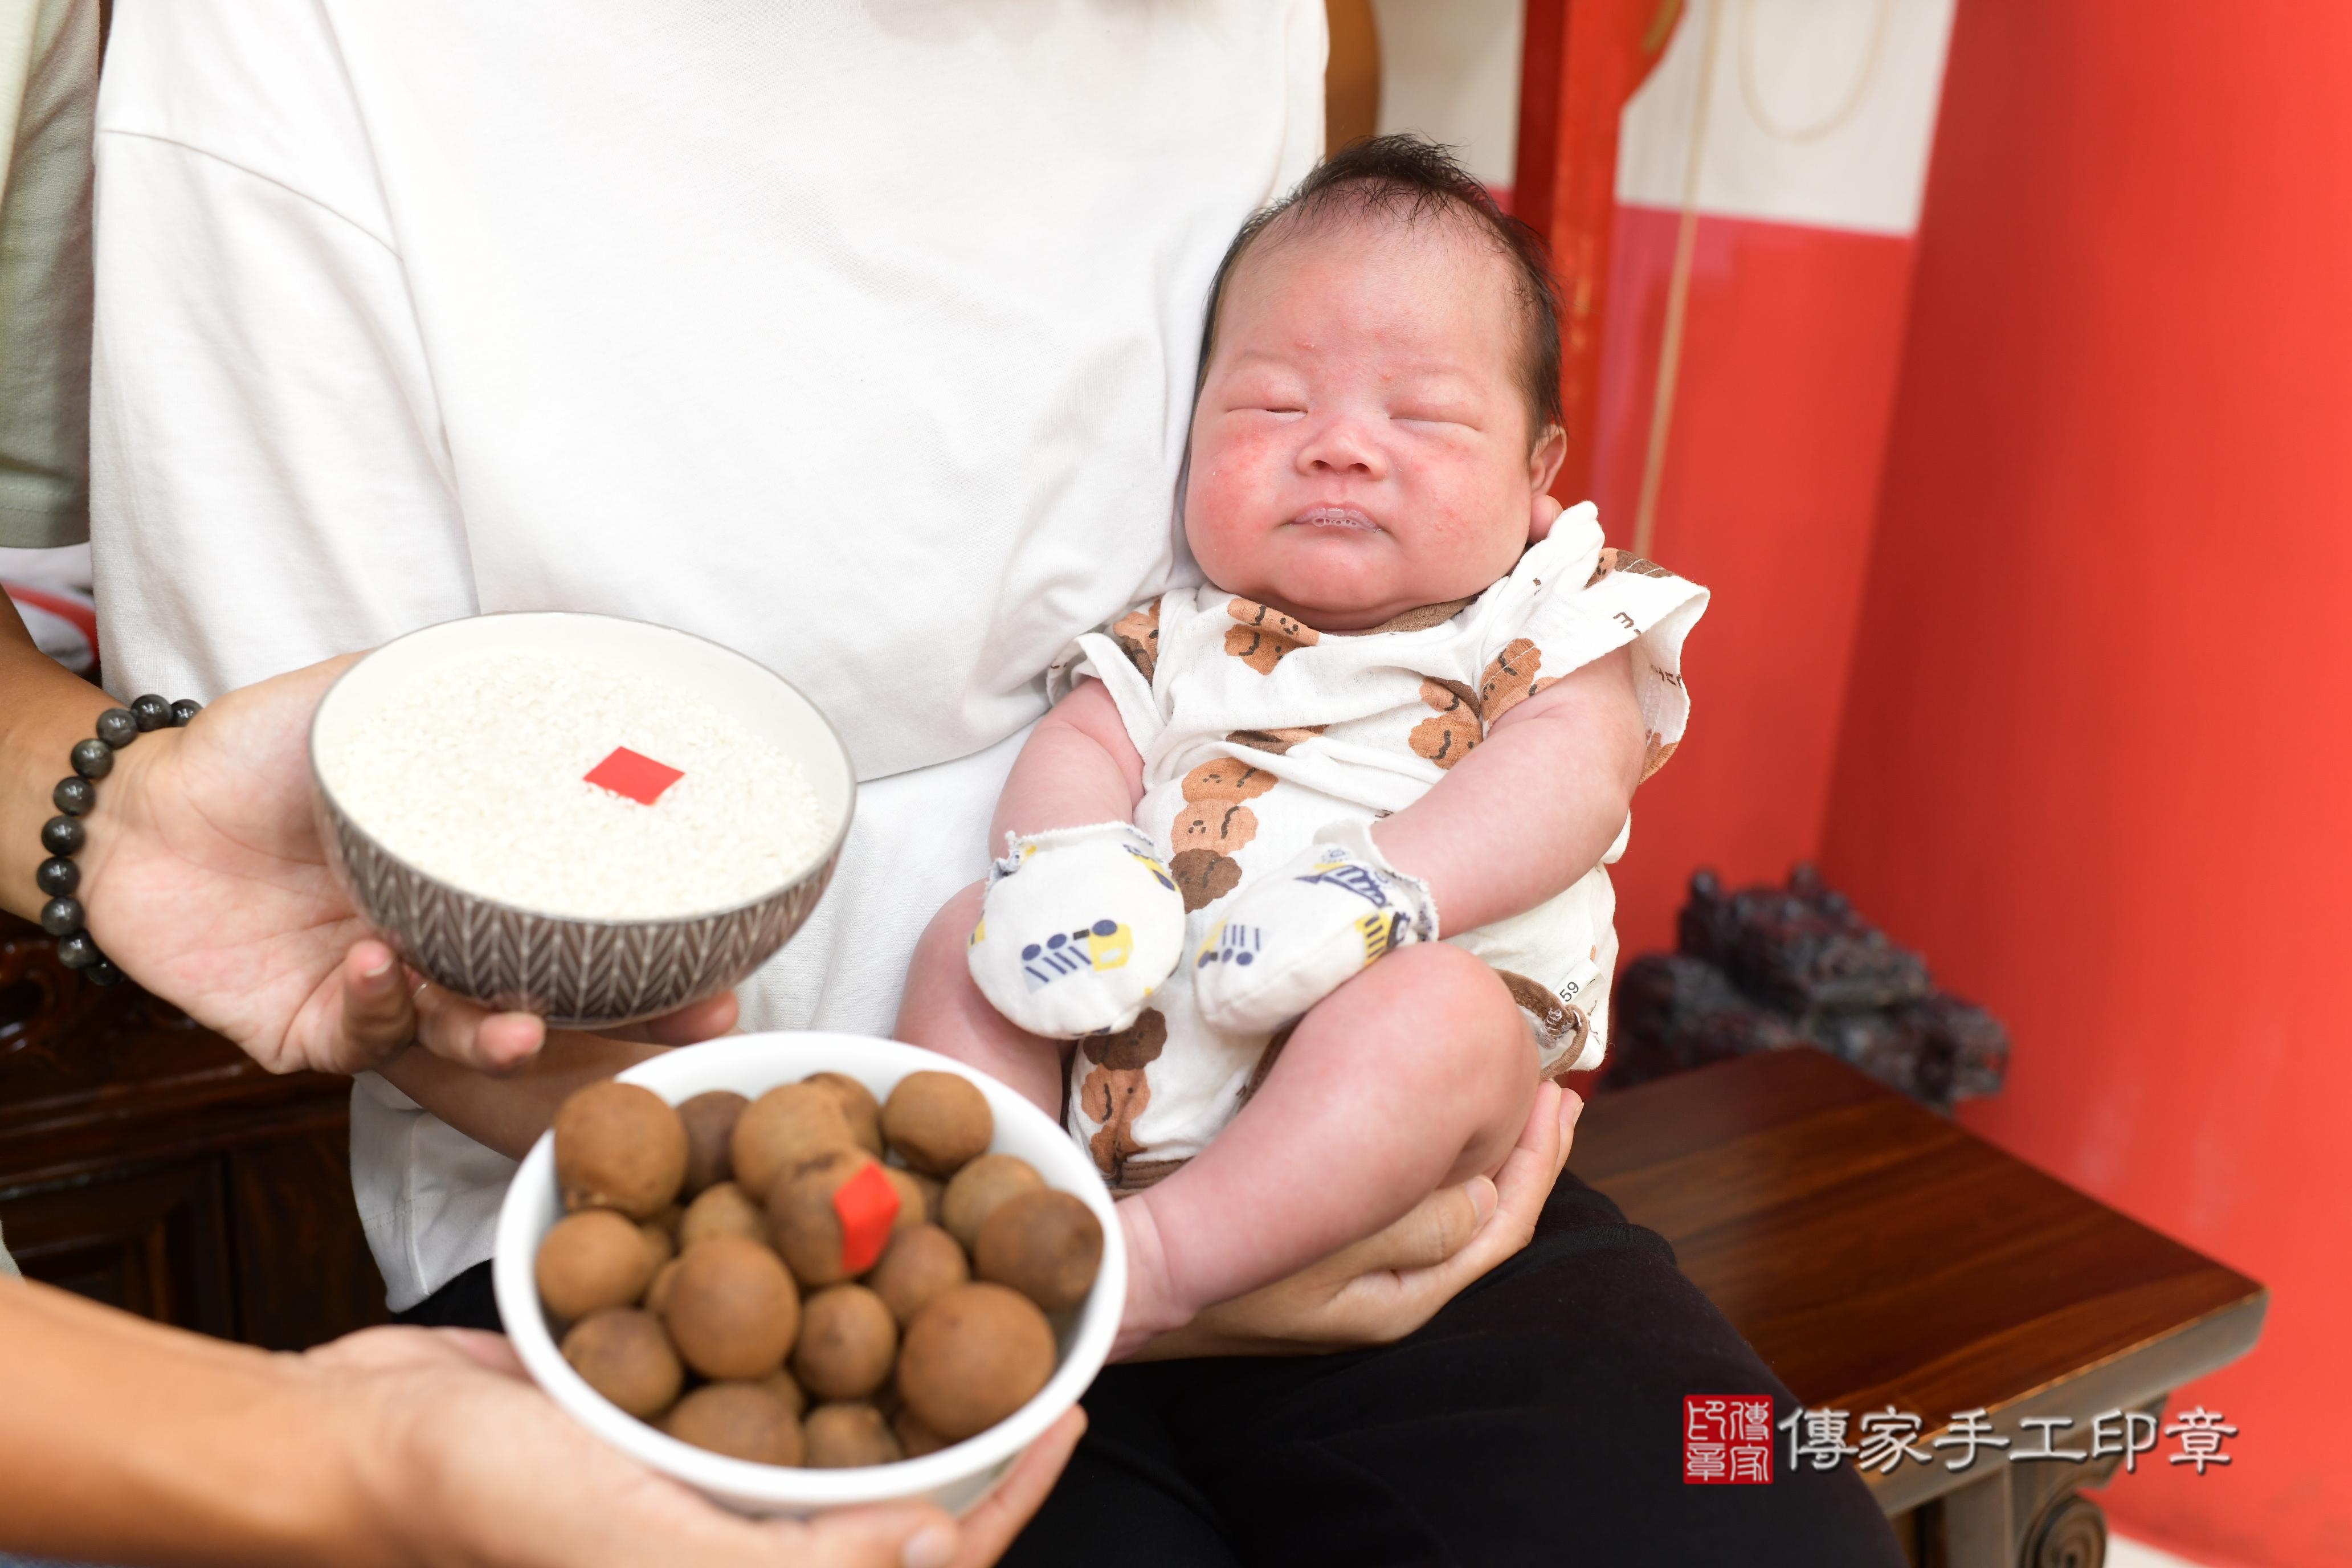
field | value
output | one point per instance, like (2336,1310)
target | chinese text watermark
(1727,1439)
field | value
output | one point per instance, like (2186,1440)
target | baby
(1309,862)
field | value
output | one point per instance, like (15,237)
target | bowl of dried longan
(798,1272)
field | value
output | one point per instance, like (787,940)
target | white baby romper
(1256,732)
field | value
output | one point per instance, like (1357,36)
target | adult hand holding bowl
(206,879)
(955,1476)
(593,819)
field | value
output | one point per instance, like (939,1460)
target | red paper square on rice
(639,778)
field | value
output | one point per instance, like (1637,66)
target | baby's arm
(1534,806)
(1076,768)
(1530,809)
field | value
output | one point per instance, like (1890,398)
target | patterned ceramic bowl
(578,972)
(955,1476)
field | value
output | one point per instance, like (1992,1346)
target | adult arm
(49,709)
(122,1440)
(1389,1284)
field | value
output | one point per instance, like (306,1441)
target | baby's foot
(1154,1306)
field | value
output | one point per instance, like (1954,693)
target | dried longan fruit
(846,1342)
(1047,1244)
(659,1246)
(835,1165)
(589,1260)
(783,1127)
(975,1192)
(709,1128)
(848,1436)
(780,1384)
(912,1204)
(657,1293)
(915,1205)
(915,1439)
(619,1146)
(937,1121)
(934,1193)
(731,1310)
(919,1263)
(741,1420)
(832,1218)
(722,1209)
(973,1357)
(858,1104)
(623,1354)
(668,1220)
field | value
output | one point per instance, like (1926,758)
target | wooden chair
(1876,1255)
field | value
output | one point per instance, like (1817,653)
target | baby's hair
(1405,179)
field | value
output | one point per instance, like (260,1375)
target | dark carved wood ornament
(152,1164)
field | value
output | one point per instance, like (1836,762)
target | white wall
(1820,111)
(1450,70)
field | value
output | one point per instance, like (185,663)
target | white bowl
(574,969)
(955,1477)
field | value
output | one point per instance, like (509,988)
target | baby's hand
(1077,928)
(1295,936)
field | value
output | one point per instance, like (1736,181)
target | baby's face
(1361,444)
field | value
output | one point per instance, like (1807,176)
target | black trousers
(1536,1419)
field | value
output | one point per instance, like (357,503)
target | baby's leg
(1416,1073)
(943,1011)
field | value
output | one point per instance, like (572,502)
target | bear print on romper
(1214,823)
(1116,1089)
(1260,636)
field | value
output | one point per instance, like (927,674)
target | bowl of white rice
(595,819)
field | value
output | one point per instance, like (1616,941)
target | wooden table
(1876,1255)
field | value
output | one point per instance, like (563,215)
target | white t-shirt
(860,338)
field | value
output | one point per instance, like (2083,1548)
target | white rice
(475,777)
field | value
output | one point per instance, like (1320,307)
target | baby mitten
(1294,936)
(1078,926)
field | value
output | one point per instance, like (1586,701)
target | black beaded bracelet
(62,836)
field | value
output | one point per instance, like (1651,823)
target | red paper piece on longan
(832,1216)
(867,1207)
